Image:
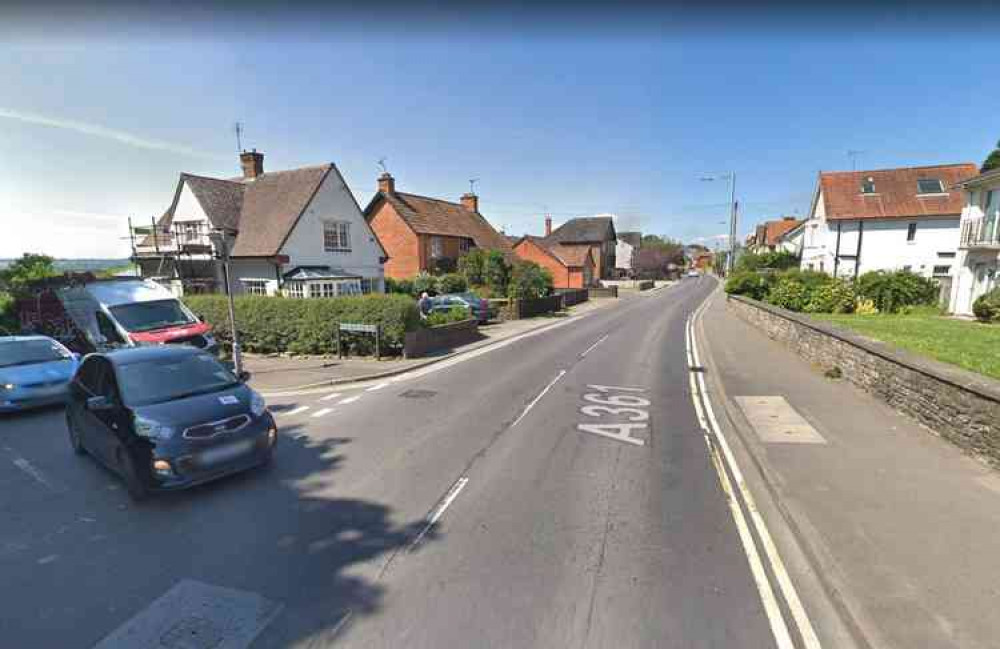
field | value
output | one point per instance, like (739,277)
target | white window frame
(939,191)
(464,245)
(437,247)
(254,286)
(337,236)
(295,289)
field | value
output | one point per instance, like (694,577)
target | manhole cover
(418,394)
(192,633)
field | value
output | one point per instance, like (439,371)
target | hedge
(987,306)
(308,326)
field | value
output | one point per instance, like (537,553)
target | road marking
(599,341)
(332,395)
(295,411)
(350,399)
(778,626)
(541,394)
(29,468)
(378,386)
(322,411)
(438,512)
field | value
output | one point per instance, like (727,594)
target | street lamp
(731,178)
(220,237)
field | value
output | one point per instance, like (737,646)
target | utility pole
(222,237)
(732,222)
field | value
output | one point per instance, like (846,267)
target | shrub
(451,283)
(777,260)
(472,265)
(987,306)
(865,307)
(402,286)
(424,282)
(496,272)
(9,323)
(751,284)
(529,280)
(890,291)
(308,326)
(834,296)
(790,292)
(444,265)
(454,314)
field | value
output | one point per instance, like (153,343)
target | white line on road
(295,411)
(322,411)
(29,468)
(332,395)
(350,399)
(540,395)
(438,512)
(599,341)
(375,387)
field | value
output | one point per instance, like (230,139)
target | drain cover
(418,394)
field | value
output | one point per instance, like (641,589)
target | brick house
(422,234)
(594,233)
(571,266)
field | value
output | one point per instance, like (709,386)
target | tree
(529,280)
(652,263)
(27,268)
(992,160)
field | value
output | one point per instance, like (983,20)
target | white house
(626,250)
(767,236)
(300,232)
(791,240)
(979,244)
(887,219)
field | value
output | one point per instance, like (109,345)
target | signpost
(352,327)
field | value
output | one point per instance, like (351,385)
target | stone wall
(595,292)
(961,406)
(427,340)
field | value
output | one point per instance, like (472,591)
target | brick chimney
(252,163)
(386,183)
(470,202)
(548,225)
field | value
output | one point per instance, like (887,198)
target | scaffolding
(179,255)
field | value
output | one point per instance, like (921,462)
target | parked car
(693,273)
(477,306)
(167,417)
(34,371)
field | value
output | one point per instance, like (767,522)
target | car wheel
(74,435)
(137,489)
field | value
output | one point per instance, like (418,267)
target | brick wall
(400,243)
(424,341)
(961,406)
(531,251)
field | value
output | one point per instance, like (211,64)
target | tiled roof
(435,216)
(895,192)
(633,239)
(569,255)
(584,229)
(774,229)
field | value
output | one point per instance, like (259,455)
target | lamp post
(221,238)
(731,178)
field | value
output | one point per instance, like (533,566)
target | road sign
(359,328)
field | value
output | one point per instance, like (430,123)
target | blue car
(34,371)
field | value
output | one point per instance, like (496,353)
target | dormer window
(868,185)
(929,186)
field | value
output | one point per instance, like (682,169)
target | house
(791,240)
(626,251)
(596,233)
(570,266)
(767,235)
(424,234)
(299,232)
(885,219)
(975,268)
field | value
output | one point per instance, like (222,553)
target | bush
(444,265)
(778,260)
(451,283)
(750,284)
(402,286)
(835,296)
(473,266)
(9,323)
(308,326)
(890,291)
(454,314)
(865,307)
(987,306)
(496,272)
(790,292)
(424,282)
(529,280)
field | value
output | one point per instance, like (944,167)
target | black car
(167,417)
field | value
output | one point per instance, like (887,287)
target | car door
(104,423)
(83,387)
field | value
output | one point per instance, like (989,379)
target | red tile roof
(895,192)
(434,216)
(569,255)
(774,229)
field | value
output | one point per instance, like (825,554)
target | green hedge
(9,324)
(308,326)
(893,291)
(987,306)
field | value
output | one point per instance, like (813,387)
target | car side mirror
(98,404)
(243,376)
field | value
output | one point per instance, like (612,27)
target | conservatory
(320,281)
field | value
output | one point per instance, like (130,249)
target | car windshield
(31,352)
(158,380)
(146,316)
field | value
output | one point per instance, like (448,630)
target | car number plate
(225,453)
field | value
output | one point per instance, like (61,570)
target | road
(460,505)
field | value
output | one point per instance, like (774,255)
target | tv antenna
(853,155)
(381,164)
(238,127)
(472,185)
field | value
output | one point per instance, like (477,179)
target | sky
(627,117)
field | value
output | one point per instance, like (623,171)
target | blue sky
(576,123)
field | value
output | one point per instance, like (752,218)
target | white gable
(188,208)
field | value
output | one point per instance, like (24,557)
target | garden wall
(961,406)
(595,292)
(573,296)
(421,342)
(517,309)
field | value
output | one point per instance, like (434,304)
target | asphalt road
(457,506)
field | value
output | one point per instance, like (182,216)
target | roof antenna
(853,155)
(238,127)
(472,185)
(381,164)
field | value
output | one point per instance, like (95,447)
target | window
(437,247)
(942,270)
(294,289)
(868,186)
(89,376)
(368,284)
(156,381)
(907,268)
(337,236)
(464,245)
(255,286)
(929,186)
(107,329)
(314,290)
(946,255)
(328,289)
(145,316)
(189,232)
(911,232)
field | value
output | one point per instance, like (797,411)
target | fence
(424,341)
(573,296)
(603,291)
(518,309)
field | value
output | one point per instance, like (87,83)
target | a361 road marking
(604,401)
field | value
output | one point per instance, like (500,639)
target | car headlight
(8,386)
(150,429)
(257,404)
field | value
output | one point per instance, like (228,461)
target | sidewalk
(901,527)
(278,373)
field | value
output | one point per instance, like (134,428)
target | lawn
(971,345)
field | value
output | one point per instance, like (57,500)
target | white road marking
(541,394)
(322,411)
(332,395)
(295,411)
(350,399)
(48,559)
(29,468)
(438,512)
(599,341)
(618,432)
(778,626)
(375,387)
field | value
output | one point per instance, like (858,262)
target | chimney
(386,183)
(470,202)
(252,163)
(548,225)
